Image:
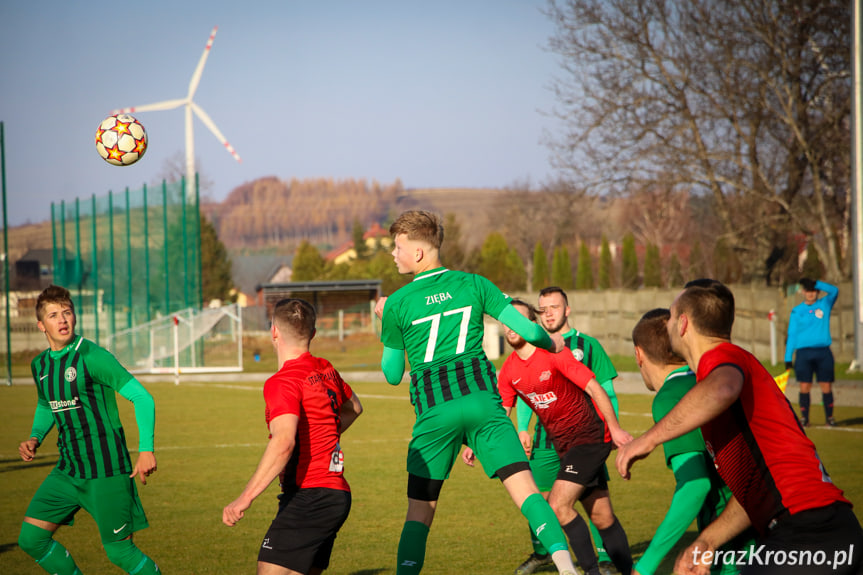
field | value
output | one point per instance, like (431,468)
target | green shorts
(544,465)
(476,420)
(112,501)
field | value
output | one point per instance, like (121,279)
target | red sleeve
(505,388)
(283,396)
(572,369)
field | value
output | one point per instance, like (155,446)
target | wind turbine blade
(166,105)
(196,77)
(210,124)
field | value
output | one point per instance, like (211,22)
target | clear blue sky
(440,94)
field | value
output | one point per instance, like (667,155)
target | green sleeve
(527,329)
(43,420)
(393,365)
(523,412)
(145,412)
(693,485)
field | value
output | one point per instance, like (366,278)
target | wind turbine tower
(191,107)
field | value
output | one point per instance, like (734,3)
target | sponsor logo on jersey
(819,313)
(545,375)
(578,354)
(437,298)
(515,381)
(542,400)
(64,405)
(71,374)
(570,469)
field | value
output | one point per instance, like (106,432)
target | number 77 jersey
(438,320)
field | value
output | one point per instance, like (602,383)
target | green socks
(412,548)
(50,555)
(543,523)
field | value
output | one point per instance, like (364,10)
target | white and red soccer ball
(121,140)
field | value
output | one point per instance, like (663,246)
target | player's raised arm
(530,331)
(710,397)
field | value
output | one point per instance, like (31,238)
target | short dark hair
(808,284)
(296,315)
(554,289)
(709,304)
(651,335)
(531,311)
(53,294)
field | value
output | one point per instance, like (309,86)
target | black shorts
(585,465)
(826,540)
(304,530)
(817,361)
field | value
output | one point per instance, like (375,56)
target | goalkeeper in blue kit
(437,320)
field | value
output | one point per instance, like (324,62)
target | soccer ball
(121,140)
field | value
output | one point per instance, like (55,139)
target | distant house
(374,237)
(34,271)
(250,272)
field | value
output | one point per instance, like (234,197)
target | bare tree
(744,100)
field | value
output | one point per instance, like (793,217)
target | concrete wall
(610,316)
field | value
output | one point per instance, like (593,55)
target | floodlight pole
(857,182)
(5,256)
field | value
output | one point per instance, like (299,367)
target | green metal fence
(128,258)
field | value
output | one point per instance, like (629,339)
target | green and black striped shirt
(438,320)
(79,384)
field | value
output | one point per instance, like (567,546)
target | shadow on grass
(6,547)
(18,464)
(852,421)
(369,571)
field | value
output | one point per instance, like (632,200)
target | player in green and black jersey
(699,493)
(76,382)
(544,463)
(437,320)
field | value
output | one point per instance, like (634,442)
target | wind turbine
(191,107)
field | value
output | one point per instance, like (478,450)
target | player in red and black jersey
(308,407)
(578,415)
(780,485)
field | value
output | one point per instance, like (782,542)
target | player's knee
(34,541)
(125,555)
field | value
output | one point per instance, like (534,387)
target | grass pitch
(209,438)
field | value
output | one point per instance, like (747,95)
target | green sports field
(209,437)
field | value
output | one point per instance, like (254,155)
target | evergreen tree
(652,266)
(452,252)
(515,278)
(812,267)
(605,269)
(584,274)
(561,270)
(697,266)
(725,263)
(675,272)
(381,267)
(308,263)
(360,246)
(216,281)
(629,263)
(540,268)
(493,259)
